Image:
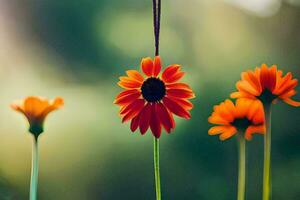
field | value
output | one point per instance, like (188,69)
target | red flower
(152,101)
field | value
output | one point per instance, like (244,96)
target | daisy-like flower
(151,101)
(267,84)
(246,117)
(36,110)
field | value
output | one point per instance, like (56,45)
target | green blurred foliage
(78,49)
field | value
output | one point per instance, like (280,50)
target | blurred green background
(78,49)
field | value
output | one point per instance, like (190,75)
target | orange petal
(155,124)
(236,95)
(218,130)
(176,108)
(147,66)
(216,119)
(254,129)
(180,93)
(246,86)
(135,75)
(157,66)
(34,106)
(228,133)
(292,102)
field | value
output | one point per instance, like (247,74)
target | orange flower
(267,84)
(152,101)
(246,116)
(36,110)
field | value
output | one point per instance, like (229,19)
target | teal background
(78,49)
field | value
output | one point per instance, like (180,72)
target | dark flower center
(241,124)
(153,89)
(267,96)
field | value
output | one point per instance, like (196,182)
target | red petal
(134,104)
(147,66)
(157,66)
(165,117)
(155,125)
(127,98)
(135,110)
(186,104)
(170,71)
(175,78)
(176,108)
(145,118)
(179,86)
(126,92)
(135,123)
(180,93)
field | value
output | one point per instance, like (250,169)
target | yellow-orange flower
(151,101)
(246,116)
(267,84)
(36,110)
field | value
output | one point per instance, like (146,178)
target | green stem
(267,153)
(156,169)
(34,170)
(242,168)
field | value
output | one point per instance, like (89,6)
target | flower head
(246,117)
(267,84)
(151,101)
(36,110)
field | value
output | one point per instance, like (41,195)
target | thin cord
(156,23)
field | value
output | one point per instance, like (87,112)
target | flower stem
(34,170)
(242,168)
(156,169)
(267,153)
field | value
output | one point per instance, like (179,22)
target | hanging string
(156,23)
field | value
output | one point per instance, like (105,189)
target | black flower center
(241,124)
(267,96)
(153,89)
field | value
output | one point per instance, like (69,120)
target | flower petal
(132,105)
(147,66)
(145,118)
(172,74)
(165,117)
(126,99)
(135,123)
(135,75)
(180,93)
(176,108)
(218,130)
(186,104)
(228,133)
(178,86)
(254,129)
(157,66)
(292,102)
(134,110)
(155,125)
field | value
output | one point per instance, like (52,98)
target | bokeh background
(78,49)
